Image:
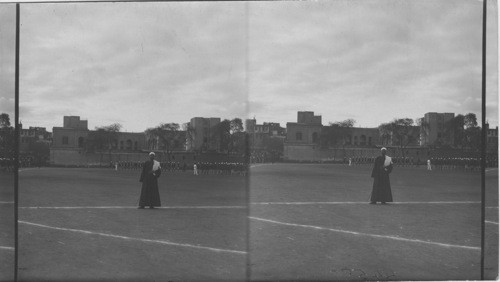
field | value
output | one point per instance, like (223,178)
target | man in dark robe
(381,184)
(150,196)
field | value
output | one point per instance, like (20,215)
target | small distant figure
(381,191)
(350,161)
(116,165)
(195,169)
(150,196)
(429,166)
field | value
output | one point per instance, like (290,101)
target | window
(80,142)
(298,136)
(315,137)
(129,144)
(369,140)
(65,140)
(355,140)
(121,145)
(362,140)
(135,145)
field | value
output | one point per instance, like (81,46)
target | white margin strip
(136,239)
(367,234)
(491,222)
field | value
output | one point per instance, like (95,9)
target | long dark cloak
(150,196)
(381,191)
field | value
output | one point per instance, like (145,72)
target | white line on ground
(367,234)
(6,248)
(244,207)
(365,203)
(163,242)
(5,203)
(135,207)
(491,222)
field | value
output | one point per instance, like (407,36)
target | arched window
(129,144)
(121,145)
(135,145)
(355,140)
(65,140)
(369,140)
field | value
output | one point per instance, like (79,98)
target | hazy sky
(141,64)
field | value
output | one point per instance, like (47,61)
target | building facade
(28,136)
(363,137)
(434,129)
(72,135)
(491,139)
(260,134)
(71,143)
(204,136)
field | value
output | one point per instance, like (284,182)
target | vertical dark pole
(16,153)
(483,143)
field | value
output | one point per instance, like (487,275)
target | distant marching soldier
(429,166)
(195,169)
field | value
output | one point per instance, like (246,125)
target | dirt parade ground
(282,222)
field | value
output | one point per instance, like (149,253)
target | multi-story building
(434,129)
(72,135)
(305,131)
(28,136)
(491,139)
(259,134)
(203,135)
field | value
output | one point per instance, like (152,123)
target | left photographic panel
(7,139)
(132,150)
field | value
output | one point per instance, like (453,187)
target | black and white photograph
(249,140)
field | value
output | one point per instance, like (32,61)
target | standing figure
(381,191)
(150,196)
(429,166)
(195,169)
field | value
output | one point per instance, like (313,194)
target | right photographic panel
(365,123)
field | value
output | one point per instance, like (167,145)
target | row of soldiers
(439,163)
(197,168)
(24,161)
(466,164)
(7,164)
(221,168)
